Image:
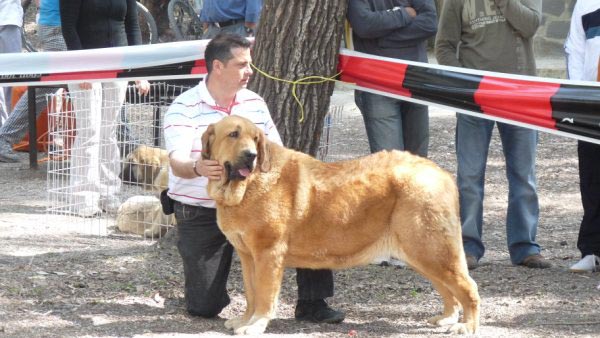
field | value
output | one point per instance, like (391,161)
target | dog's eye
(234,134)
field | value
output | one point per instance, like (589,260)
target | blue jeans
(212,31)
(519,146)
(394,124)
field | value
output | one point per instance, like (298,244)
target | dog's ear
(264,161)
(207,139)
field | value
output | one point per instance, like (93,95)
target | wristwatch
(196,170)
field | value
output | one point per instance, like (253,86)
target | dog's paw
(443,320)
(256,328)
(462,328)
(235,323)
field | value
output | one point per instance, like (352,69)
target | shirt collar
(209,100)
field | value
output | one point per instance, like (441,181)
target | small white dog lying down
(143,215)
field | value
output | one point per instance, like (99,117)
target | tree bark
(296,39)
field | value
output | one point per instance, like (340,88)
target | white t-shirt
(583,42)
(11,13)
(187,119)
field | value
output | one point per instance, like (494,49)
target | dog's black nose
(248,156)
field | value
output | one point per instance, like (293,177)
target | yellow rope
(302,81)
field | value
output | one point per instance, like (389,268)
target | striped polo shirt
(186,120)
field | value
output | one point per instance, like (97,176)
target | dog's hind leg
(451,306)
(266,282)
(446,268)
(456,287)
(249,290)
(465,290)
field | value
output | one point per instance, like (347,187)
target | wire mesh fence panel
(106,163)
(343,136)
(106,159)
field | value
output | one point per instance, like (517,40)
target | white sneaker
(589,263)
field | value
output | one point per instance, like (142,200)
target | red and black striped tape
(170,70)
(569,108)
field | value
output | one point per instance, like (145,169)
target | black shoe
(472,262)
(317,311)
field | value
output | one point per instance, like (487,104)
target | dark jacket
(383,27)
(90,24)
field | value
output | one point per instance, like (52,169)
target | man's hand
(210,169)
(411,11)
(250,26)
(85,85)
(142,86)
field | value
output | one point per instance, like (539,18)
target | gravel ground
(57,280)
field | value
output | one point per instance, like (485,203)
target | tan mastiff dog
(147,166)
(282,208)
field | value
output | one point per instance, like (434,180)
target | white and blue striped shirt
(186,120)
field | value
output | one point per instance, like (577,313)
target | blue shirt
(225,10)
(49,13)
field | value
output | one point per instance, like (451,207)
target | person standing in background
(11,21)
(51,39)
(94,172)
(583,55)
(494,35)
(233,16)
(398,29)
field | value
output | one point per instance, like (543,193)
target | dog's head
(238,145)
(143,164)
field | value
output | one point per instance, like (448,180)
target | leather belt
(227,23)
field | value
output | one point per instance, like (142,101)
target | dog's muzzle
(242,167)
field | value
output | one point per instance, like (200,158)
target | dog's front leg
(248,276)
(267,277)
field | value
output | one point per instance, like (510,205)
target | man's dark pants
(589,180)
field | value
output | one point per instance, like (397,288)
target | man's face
(237,71)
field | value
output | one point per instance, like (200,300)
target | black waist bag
(167,202)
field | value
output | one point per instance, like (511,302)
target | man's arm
(575,46)
(185,167)
(423,26)
(525,16)
(370,24)
(132,26)
(69,15)
(449,34)
(179,141)
(253,8)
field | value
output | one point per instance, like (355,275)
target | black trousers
(207,256)
(588,241)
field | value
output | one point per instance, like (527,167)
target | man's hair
(219,48)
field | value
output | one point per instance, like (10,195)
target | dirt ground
(57,280)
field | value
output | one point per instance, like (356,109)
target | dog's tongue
(244,172)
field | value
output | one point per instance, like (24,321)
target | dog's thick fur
(281,208)
(148,166)
(143,215)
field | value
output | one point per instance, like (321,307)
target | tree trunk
(296,39)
